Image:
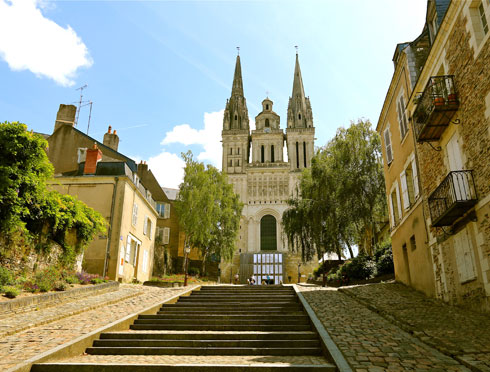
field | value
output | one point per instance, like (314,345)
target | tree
(27,207)
(341,196)
(208,209)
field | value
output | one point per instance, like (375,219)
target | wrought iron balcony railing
(435,108)
(452,198)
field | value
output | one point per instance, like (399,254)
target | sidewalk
(66,322)
(452,330)
(368,341)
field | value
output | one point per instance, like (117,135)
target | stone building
(254,163)
(108,181)
(449,113)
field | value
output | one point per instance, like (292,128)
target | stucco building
(449,114)
(253,160)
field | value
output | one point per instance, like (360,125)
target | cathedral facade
(254,162)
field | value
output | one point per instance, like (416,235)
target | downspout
(109,235)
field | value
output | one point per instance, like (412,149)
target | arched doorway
(268,233)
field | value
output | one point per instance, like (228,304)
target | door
(460,190)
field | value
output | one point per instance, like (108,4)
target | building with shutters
(448,111)
(254,163)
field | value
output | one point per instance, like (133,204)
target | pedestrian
(236,278)
(268,279)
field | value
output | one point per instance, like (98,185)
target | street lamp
(299,273)
(187,250)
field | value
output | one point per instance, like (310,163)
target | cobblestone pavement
(368,341)
(452,330)
(196,359)
(32,318)
(16,348)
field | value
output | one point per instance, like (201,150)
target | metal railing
(452,198)
(439,95)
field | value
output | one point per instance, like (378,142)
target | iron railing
(452,198)
(436,106)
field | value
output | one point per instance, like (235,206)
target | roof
(172,194)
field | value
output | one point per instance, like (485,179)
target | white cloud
(30,41)
(168,169)
(209,137)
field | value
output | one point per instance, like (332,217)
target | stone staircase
(266,325)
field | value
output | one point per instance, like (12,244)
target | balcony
(436,107)
(452,198)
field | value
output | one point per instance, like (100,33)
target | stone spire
(236,112)
(237,79)
(299,108)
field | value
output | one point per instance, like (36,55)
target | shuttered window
(389,151)
(465,260)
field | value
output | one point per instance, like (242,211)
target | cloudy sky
(160,71)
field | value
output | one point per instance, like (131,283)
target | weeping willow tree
(340,197)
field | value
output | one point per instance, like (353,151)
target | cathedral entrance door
(268,265)
(268,233)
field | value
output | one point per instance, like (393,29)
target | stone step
(207,342)
(203,351)
(192,311)
(221,327)
(247,304)
(245,299)
(224,321)
(116,367)
(222,317)
(177,335)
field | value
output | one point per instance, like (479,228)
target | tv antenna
(80,102)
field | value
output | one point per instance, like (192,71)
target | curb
(79,344)
(328,344)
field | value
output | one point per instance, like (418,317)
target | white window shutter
(406,199)
(398,202)
(415,178)
(136,252)
(390,207)
(166,235)
(167,210)
(151,230)
(145,226)
(128,249)
(389,152)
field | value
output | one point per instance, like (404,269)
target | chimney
(111,139)
(66,116)
(93,156)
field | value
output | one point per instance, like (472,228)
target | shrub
(6,276)
(85,278)
(360,268)
(97,281)
(31,287)
(72,279)
(193,271)
(11,291)
(47,278)
(384,264)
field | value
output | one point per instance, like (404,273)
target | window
(267,122)
(262,153)
(297,155)
(483,18)
(231,151)
(409,182)
(236,117)
(463,250)
(238,150)
(266,107)
(389,151)
(304,153)
(167,211)
(413,244)
(272,153)
(395,208)
(402,118)
(237,163)
(134,218)
(132,248)
(136,179)
(299,116)
(230,163)
(166,235)
(148,228)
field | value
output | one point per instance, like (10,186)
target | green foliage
(359,268)
(11,291)
(209,211)
(25,203)
(6,276)
(60,286)
(47,279)
(340,197)
(384,260)
(193,271)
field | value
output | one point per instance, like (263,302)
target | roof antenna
(238,50)
(80,102)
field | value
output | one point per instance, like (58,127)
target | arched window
(299,116)
(297,155)
(266,122)
(262,154)
(266,107)
(236,117)
(268,233)
(272,154)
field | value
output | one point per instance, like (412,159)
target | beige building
(107,181)
(254,163)
(449,112)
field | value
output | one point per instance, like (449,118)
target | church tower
(300,132)
(235,134)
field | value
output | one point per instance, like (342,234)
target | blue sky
(159,72)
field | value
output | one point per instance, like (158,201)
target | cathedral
(254,163)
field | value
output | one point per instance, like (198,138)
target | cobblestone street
(384,341)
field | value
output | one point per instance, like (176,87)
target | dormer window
(266,122)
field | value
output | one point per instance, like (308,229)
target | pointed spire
(298,89)
(237,88)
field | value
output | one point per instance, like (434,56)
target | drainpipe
(109,234)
